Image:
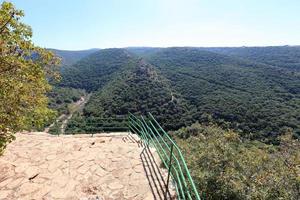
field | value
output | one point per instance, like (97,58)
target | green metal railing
(152,134)
(172,159)
(98,125)
(91,126)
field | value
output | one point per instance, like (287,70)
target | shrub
(226,167)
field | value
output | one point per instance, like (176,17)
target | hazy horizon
(173,47)
(77,25)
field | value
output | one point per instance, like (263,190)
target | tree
(24,74)
(226,166)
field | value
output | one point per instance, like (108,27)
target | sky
(85,24)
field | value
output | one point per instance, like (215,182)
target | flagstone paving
(103,167)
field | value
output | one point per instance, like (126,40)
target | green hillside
(59,98)
(254,98)
(94,71)
(71,57)
(259,100)
(196,123)
(226,166)
(143,51)
(138,88)
(287,57)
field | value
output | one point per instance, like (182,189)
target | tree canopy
(24,73)
(226,166)
(251,97)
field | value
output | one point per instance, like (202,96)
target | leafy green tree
(24,73)
(225,166)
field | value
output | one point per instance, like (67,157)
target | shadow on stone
(155,176)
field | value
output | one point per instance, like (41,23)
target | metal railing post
(154,133)
(169,171)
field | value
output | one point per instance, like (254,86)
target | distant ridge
(70,57)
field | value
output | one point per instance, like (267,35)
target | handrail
(152,134)
(172,159)
(93,125)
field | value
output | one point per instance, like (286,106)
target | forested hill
(138,89)
(192,84)
(287,57)
(71,57)
(251,97)
(94,71)
(122,83)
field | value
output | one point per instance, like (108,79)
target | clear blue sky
(83,24)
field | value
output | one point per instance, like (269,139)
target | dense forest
(96,70)
(71,57)
(226,166)
(287,57)
(247,96)
(259,100)
(61,97)
(138,89)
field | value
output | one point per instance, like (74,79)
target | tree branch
(5,24)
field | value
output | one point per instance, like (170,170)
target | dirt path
(103,167)
(73,107)
(56,121)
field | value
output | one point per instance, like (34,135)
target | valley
(190,113)
(183,85)
(235,116)
(60,124)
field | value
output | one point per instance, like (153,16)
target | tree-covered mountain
(247,96)
(190,84)
(71,57)
(137,88)
(143,51)
(287,57)
(94,71)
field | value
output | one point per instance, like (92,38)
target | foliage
(224,166)
(81,124)
(286,57)
(60,98)
(71,57)
(56,128)
(96,70)
(137,89)
(24,70)
(258,99)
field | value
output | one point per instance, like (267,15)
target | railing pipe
(181,156)
(163,159)
(177,161)
(169,171)
(178,177)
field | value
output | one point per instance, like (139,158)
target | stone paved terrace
(103,167)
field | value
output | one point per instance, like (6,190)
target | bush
(226,167)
